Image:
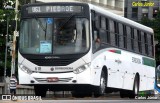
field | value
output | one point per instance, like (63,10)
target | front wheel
(100,90)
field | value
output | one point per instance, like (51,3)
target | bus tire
(100,90)
(39,91)
(135,90)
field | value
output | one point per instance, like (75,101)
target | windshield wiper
(68,19)
(41,25)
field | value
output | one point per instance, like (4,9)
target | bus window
(96,41)
(116,33)
(139,41)
(146,43)
(132,39)
(124,37)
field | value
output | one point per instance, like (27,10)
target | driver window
(95,31)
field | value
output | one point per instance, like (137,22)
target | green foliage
(4,14)
(22,2)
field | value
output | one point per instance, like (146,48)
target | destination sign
(55,9)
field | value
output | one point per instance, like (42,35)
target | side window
(152,45)
(128,38)
(112,36)
(124,37)
(132,39)
(121,35)
(143,45)
(95,24)
(95,31)
(107,30)
(139,40)
(146,43)
(97,21)
(116,31)
(103,22)
(135,41)
(104,36)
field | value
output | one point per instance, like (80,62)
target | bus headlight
(25,69)
(81,68)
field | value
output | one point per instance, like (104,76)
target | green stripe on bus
(118,51)
(148,62)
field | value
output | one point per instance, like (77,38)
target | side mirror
(75,35)
(157,47)
(158,68)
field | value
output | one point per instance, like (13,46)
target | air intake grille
(52,62)
(59,79)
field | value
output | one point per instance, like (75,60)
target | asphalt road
(69,99)
(112,99)
(84,101)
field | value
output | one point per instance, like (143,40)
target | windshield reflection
(54,36)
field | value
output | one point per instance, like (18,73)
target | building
(137,9)
(115,6)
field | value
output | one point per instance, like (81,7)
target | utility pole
(6,51)
(14,40)
(5,66)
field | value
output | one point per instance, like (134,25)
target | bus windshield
(54,35)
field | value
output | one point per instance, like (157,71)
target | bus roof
(111,15)
(121,19)
(118,12)
(47,1)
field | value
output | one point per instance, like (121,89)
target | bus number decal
(36,9)
(136,60)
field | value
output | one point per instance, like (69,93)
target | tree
(4,14)
(156,27)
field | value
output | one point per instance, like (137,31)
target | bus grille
(53,62)
(59,79)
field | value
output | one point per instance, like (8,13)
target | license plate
(52,79)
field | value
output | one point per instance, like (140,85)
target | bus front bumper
(54,78)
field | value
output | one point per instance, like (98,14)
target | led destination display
(55,9)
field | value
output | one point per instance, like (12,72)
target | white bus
(85,49)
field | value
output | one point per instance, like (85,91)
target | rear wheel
(135,90)
(100,90)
